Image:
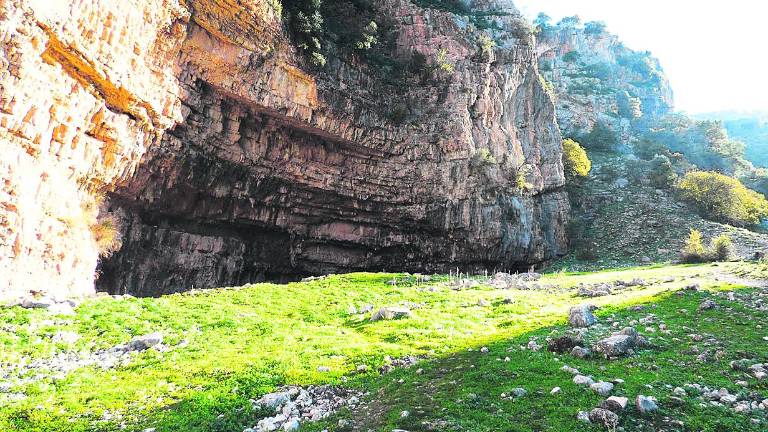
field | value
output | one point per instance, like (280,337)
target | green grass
(247,341)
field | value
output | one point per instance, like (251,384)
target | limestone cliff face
(597,79)
(228,160)
(85,86)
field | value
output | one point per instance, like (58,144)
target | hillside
(621,220)
(467,355)
(748,127)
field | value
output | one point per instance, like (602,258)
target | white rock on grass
(583,417)
(142,343)
(646,404)
(615,403)
(602,388)
(583,380)
(604,417)
(581,316)
(391,313)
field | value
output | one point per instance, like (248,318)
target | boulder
(581,352)
(141,343)
(646,404)
(615,404)
(391,313)
(581,316)
(604,417)
(602,388)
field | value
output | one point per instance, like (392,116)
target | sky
(713,51)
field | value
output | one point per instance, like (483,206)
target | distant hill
(751,127)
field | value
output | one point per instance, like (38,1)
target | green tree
(662,175)
(723,198)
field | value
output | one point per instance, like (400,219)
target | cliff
(598,80)
(225,157)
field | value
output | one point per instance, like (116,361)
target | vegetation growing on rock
(575,159)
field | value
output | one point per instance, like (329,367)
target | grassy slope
(245,342)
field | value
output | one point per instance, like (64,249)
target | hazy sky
(714,52)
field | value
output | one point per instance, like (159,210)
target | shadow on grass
(463,390)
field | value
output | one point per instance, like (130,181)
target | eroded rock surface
(227,159)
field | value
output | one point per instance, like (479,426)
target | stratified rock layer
(228,161)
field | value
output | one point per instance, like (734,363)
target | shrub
(571,56)
(487,45)
(661,174)
(720,248)
(520,175)
(483,158)
(106,234)
(575,159)
(442,63)
(723,198)
(601,137)
(648,149)
(693,250)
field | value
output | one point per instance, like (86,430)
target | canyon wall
(227,158)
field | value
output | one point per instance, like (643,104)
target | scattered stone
(323,369)
(583,380)
(142,343)
(533,345)
(602,388)
(646,404)
(581,352)
(391,313)
(615,404)
(483,303)
(292,405)
(583,417)
(581,316)
(707,305)
(570,370)
(555,391)
(604,417)
(519,392)
(562,344)
(484,350)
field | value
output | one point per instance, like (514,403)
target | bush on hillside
(647,149)
(575,160)
(661,174)
(723,198)
(601,137)
(693,250)
(720,249)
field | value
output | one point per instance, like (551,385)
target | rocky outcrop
(597,79)
(85,86)
(228,160)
